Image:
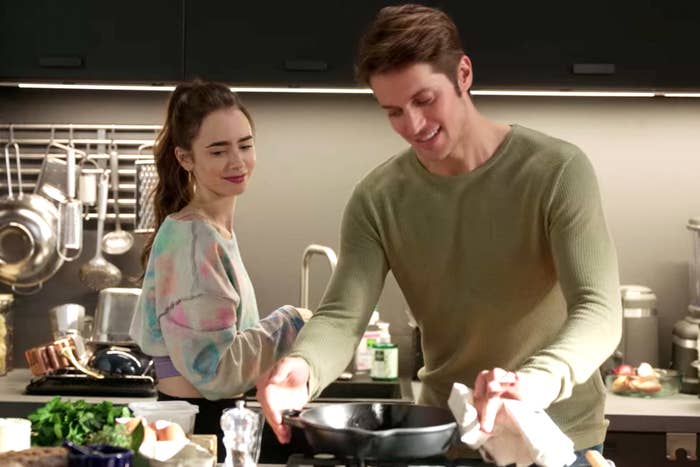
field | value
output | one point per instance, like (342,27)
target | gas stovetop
(323,460)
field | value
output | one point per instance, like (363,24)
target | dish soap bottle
(363,353)
(385,356)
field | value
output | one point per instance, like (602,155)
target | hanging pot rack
(92,142)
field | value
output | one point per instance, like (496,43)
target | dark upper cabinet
(80,40)
(615,45)
(548,45)
(679,25)
(282,43)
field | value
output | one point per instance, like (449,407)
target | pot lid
(637,296)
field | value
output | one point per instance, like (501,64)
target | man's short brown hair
(407,34)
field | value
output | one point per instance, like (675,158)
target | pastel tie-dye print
(198,307)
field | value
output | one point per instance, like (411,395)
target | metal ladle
(98,273)
(118,241)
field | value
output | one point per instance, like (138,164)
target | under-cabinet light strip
(302,90)
(96,87)
(128,87)
(561,93)
(682,94)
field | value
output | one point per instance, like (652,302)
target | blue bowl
(99,455)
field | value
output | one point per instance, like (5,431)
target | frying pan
(375,431)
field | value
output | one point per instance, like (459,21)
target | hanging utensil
(70,214)
(87,181)
(146,182)
(98,273)
(118,241)
(28,241)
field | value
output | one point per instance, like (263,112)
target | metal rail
(76,126)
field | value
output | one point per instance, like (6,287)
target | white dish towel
(521,435)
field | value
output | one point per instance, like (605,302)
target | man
(494,233)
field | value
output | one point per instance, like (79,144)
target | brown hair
(407,34)
(189,105)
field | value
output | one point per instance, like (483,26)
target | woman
(197,315)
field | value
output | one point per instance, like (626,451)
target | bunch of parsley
(75,421)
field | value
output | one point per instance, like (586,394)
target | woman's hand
(305,314)
(283,387)
(490,388)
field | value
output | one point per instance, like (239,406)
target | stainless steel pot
(115,308)
(28,242)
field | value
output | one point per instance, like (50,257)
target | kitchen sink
(362,388)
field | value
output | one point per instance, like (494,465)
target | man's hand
(283,388)
(490,388)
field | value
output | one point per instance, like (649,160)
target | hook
(70,135)
(14,146)
(12,133)
(144,146)
(53,135)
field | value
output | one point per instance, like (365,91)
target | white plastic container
(181,412)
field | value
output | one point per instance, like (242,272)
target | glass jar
(6,301)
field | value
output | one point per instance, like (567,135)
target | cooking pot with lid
(116,361)
(376,431)
(28,242)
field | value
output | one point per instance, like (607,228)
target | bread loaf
(35,457)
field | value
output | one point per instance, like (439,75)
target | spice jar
(242,429)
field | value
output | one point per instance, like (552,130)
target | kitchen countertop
(677,413)
(12,390)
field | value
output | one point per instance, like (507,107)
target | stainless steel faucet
(310,251)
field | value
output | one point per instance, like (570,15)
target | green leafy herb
(58,420)
(114,435)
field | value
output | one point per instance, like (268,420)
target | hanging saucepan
(376,431)
(28,224)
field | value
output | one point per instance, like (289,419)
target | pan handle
(291,418)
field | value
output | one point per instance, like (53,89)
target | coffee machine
(684,344)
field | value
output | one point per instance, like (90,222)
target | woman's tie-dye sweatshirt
(198,307)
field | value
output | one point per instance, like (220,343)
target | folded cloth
(521,435)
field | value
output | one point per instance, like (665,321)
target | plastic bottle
(385,356)
(363,353)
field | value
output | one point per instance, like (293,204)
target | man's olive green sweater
(510,265)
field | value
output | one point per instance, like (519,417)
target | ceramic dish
(663,383)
